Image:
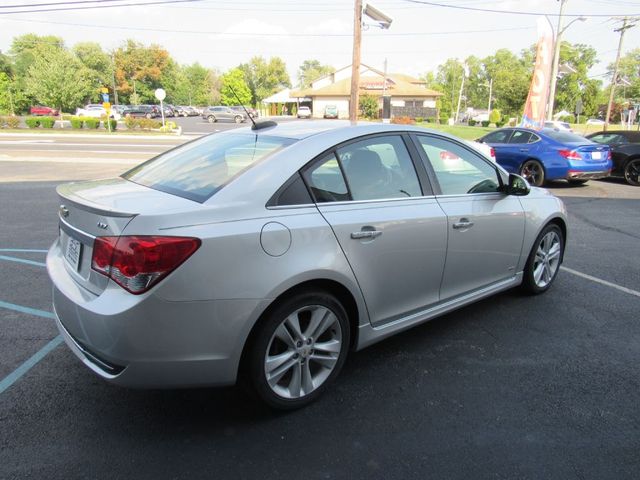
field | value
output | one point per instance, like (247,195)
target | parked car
(181,111)
(142,111)
(253,113)
(549,154)
(625,152)
(331,111)
(304,112)
(564,126)
(42,110)
(214,114)
(96,110)
(243,255)
(595,121)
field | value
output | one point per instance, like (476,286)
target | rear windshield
(199,169)
(564,137)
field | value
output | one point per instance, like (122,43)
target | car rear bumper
(592,175)
(147,342)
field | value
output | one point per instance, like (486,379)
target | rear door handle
(368,234)
(524,150)
(463,224)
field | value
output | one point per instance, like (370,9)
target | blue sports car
(549,154)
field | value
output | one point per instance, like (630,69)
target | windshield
(564,137)
(199,169)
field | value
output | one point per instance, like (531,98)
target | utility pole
(627,23)
(113,77)
(490,92)
(355,64)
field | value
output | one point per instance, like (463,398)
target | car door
(522,146)
(485,226)
(387,222)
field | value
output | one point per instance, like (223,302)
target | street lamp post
(556,58)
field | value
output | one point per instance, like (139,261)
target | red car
(40,110)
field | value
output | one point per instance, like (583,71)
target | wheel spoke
(332,346)
(328,319)
(296,380)
(327,361)
(275,377)
(285,336)
(554,251)
(317,317)
(293,322)
(307,380)
(537,273)
(275,361)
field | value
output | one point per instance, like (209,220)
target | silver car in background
(266,254)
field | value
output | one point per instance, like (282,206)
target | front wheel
(298,349)
(211,119)
(238,119)
(533,172)
(632,172)
(544,260)
(149,116)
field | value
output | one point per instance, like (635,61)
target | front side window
(458,170)
(199,169)
(379,168)
(500,136)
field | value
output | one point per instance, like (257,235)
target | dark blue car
(549,154)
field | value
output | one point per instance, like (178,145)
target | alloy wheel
(533,172)
(547,259)
(303,351)
(632,172)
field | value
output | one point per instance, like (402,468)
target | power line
(30,5)
(135,4)
(250,34)
(510,12)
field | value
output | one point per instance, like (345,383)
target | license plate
(74,249)
(596,155)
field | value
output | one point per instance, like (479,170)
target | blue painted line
(27,310)
(14,376)
(22,250)
(22,260)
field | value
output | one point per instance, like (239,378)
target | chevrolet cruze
(266,254)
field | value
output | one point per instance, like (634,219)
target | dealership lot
(511,387)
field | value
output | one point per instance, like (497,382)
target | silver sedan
(266,254)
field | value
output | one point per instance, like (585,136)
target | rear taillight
(570,154)
(492,152)
(137,263)
(609,156)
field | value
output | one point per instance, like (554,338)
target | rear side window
(501,136)
(199,169)
(564,137)
(326,181)
(520,136)
(608,138)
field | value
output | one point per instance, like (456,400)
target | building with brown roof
(409,96)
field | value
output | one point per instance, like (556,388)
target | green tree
(59,80)
(368,105)
(511,79)
(629,69)
(572,87)
(6,102)
(311,70)
(195,85)
(233,81)
(5,64)
(265,78)
(95,60)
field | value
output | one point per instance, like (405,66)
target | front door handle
(366,234)
(463,224)
(524,150)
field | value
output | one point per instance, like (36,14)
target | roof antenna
(256,126)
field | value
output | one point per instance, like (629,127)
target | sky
(224,33)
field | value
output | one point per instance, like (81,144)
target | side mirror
(517,185)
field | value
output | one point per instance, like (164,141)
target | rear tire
(297,350)
(632,172)
(544,260)
(148,115)
(211,119)
(533,172)
(238,119)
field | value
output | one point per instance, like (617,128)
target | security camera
(376,15)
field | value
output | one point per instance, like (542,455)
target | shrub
(431,119)
(3,122)
(47,122)
(149,124)
(91,122)
(500,123)
(485,123)
(444,118)
(112,122)
(67,116)
(403,120)
(32,122)
(495,116)
(131,123)
(419,119)
(76,122)
(568,119)
(13,122)
(472,122)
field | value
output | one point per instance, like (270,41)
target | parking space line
(27,310)
(22,260)
(22,250)
(601,282)
(14,376)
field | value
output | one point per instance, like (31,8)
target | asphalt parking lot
(512,387)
